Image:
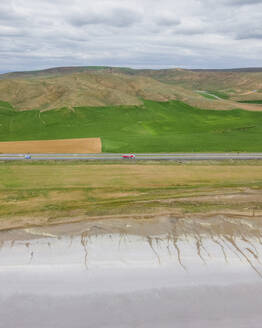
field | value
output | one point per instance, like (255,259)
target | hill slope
(232,84)
(81,89)
(103,86)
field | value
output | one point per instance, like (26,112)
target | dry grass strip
(65,146)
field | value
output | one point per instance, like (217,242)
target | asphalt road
(146,156)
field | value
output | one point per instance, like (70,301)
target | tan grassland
(65,146)
(116,87)
(33,194)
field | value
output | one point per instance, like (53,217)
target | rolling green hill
(151,127)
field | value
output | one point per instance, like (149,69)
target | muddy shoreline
(25,222)
(242,237)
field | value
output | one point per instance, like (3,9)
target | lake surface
(163,272)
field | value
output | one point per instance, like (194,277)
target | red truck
(129,156)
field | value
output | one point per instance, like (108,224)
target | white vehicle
(27,156)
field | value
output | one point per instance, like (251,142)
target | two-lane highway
(144,156)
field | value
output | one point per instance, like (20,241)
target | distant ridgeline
(151,127)
(112,86)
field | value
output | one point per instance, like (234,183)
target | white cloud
(37,34)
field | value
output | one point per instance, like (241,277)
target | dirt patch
(23,222)
(74,195)
(116,195)
(250,107)
(235,205)
(225,199)
(65,146)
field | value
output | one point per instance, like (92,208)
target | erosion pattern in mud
(176,241)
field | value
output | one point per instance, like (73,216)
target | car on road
(27,156)
(129,156)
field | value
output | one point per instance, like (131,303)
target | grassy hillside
(152,127)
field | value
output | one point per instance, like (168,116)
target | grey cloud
(8,14)
(232,3)
(241,2)
(118,17)
(190,31)
(249,35)
(10,32)
(167,21)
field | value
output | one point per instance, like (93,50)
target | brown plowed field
(81,146)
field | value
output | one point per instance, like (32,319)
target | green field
(153,127)
(251,101)
(206,95)
(213,94)
(219,94)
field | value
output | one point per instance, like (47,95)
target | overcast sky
(36,34)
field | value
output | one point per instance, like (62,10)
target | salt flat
(110,273)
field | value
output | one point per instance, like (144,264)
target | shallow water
(164,272)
